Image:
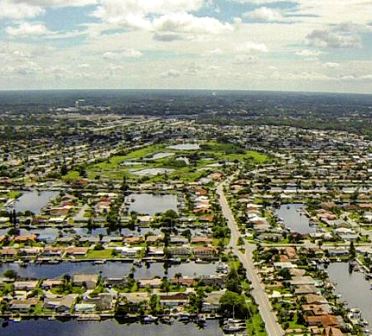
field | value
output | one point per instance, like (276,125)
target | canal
(353,287)
(109,269)
(112,327)
(294,218)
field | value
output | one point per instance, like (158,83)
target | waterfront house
(103,301)
(152,283)
(48,284)
(85,308)
(24,305)
(8,252)
(61,304)
(88,280)
(204,252)
(211,304)
(76,251)
(26,285)
(174,299)
(179,252)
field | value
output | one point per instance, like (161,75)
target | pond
(294,218)
(186,146)
(151,204)
(34,201)
(109,327)
(353,287)
(151,171)
(109,269)
(158,156)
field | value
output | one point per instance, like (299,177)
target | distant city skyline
(280,45)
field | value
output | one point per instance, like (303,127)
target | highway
(273,328)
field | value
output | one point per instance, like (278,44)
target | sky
(284,45)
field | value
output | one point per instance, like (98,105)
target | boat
(99,262)
(184,317)
(233,328)
(150,319)
(201,261)
(200,319)
(53,261)
(137,263)
(222,267)
(166,319)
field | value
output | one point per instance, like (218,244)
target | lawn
(99,254)
(255,325)
(14,194)
(200,160)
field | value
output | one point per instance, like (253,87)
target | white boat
(99,262)
(150,319)
(201,261)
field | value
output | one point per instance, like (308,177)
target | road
(272,326)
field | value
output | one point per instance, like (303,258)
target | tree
(178,276)
(352,251)
(11,274)
(233,282)
(234,305)
(154,304)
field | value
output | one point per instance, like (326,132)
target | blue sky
(305,45)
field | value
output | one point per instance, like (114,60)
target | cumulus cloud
(125,53)
(125,12)
(252,47)
(331,65)
(168,37)
(171,73)
(168,20)
(245,59)
(14,10)
(188,23)
(308,53)
(265,14)
(333,38)
(27,29)
(22,9)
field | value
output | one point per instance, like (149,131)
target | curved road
(272,326)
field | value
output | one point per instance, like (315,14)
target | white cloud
(244,59)
(214,52)
(22,9)
(125,12)
(331,65)
(125,53)
(308,53)
(334,38)
(187,23)
(14,10)
(171,73)
(27,29)
(250,47)
(265,14)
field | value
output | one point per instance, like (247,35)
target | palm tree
(178,276)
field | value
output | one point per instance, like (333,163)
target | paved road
(272,326)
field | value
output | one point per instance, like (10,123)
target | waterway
(112,327)
(34,201)
(151,204)
(294,218)
(353,287)
(109,269)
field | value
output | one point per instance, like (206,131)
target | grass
(99,254)
(71,176)
(255,325)
(14,194)
(218,153)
